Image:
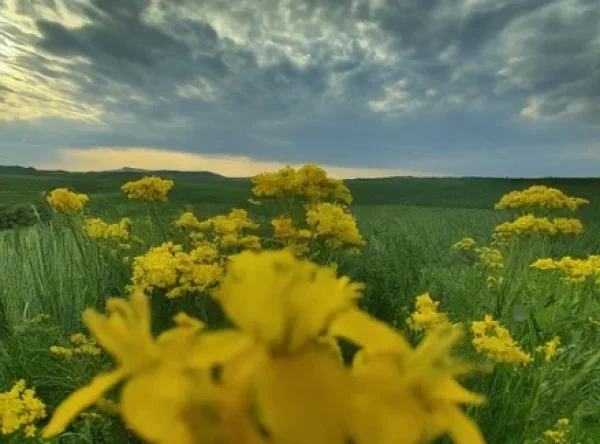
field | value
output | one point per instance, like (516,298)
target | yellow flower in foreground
(281,369)
(493,340)
(550,348)
(413,397)
(155,371)
(66,201)
(149,189)
(426,316)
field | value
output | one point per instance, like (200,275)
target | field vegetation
(296,308)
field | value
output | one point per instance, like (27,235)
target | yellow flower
(309,181)
(19,407)
(493,340)
(125,334)
(149,189)
(66,201)
(334,224)
(550,348)
(98,229)
(410,397)
(574,270)
(466,243)
(539,196)
(490,258)
(559,434)
(169,267)
(426,316)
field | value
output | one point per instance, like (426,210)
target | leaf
(520,313)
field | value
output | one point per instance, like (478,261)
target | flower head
(149,189)
(67,202)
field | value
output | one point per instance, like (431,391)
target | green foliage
(23,215)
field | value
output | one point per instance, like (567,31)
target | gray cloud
(281,74)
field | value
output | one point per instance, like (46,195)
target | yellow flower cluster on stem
(149,189)
(171,268)
(574,270)
(296,240)
(280,377)
(559,433)
(67,202)
(104,232)
(540,197)
(309,181)
(227,231)
(426,316)
(530,224)
(493,340)
(334,224)
(82,346)
(20,408)
(550,348)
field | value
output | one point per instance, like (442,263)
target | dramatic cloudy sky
(365,87)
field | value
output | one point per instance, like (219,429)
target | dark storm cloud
(269,76)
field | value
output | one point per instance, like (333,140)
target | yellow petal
(217,348)
(381,420)
(297,407)
(448,389)
(366,331)
(154,404)
(462,429)
(80,400)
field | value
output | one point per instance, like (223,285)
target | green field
(409,224)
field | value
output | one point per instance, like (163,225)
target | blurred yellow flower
(67,202)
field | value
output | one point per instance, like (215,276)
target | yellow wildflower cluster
(530,224)
(426,317)
(334,224)
(559,433)
(149,189)
(541,197)
(82,346)
(490,258)
(574,270)
(465,244)
(550,348)
(280,377)
(309,181)
(19,407)
(168,266)
(67,202)
(291,238)
(228,231)
(493,340)
(98,229)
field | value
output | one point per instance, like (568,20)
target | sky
(365,88)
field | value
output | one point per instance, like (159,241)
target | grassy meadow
(409,225)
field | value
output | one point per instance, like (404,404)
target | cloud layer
(367,83)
